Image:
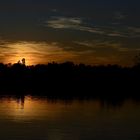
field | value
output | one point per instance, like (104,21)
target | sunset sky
(82,31)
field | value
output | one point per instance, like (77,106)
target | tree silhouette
(70,80)
(23,61)
(19,62)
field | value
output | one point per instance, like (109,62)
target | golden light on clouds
(34,53)
(94,53)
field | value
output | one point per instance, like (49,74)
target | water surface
(35,118)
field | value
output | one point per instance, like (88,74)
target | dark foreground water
(35,118)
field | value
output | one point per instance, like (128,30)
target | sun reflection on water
(25,109)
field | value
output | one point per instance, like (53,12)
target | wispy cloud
(64,23)
(108,45)
(134,29)
(71,23)
(79,24)
(34,52)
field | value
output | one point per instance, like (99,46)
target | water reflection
(41,118)
(20,101)
(27,108)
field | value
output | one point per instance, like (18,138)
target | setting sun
(23,50)
(34,53)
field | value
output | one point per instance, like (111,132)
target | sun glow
(25,50)
(34,52)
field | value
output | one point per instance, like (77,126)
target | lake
(40,118)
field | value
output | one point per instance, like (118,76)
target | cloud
(88,52)
(83,43)
(34,52)
(71,23)
(64,23)
(116,34)
(134,29)
(80,24)
(108,45)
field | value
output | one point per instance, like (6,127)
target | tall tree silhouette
(23,61)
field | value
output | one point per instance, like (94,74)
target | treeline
(70,80)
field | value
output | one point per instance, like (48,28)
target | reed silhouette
(68,80)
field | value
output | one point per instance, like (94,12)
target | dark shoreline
(69,80)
